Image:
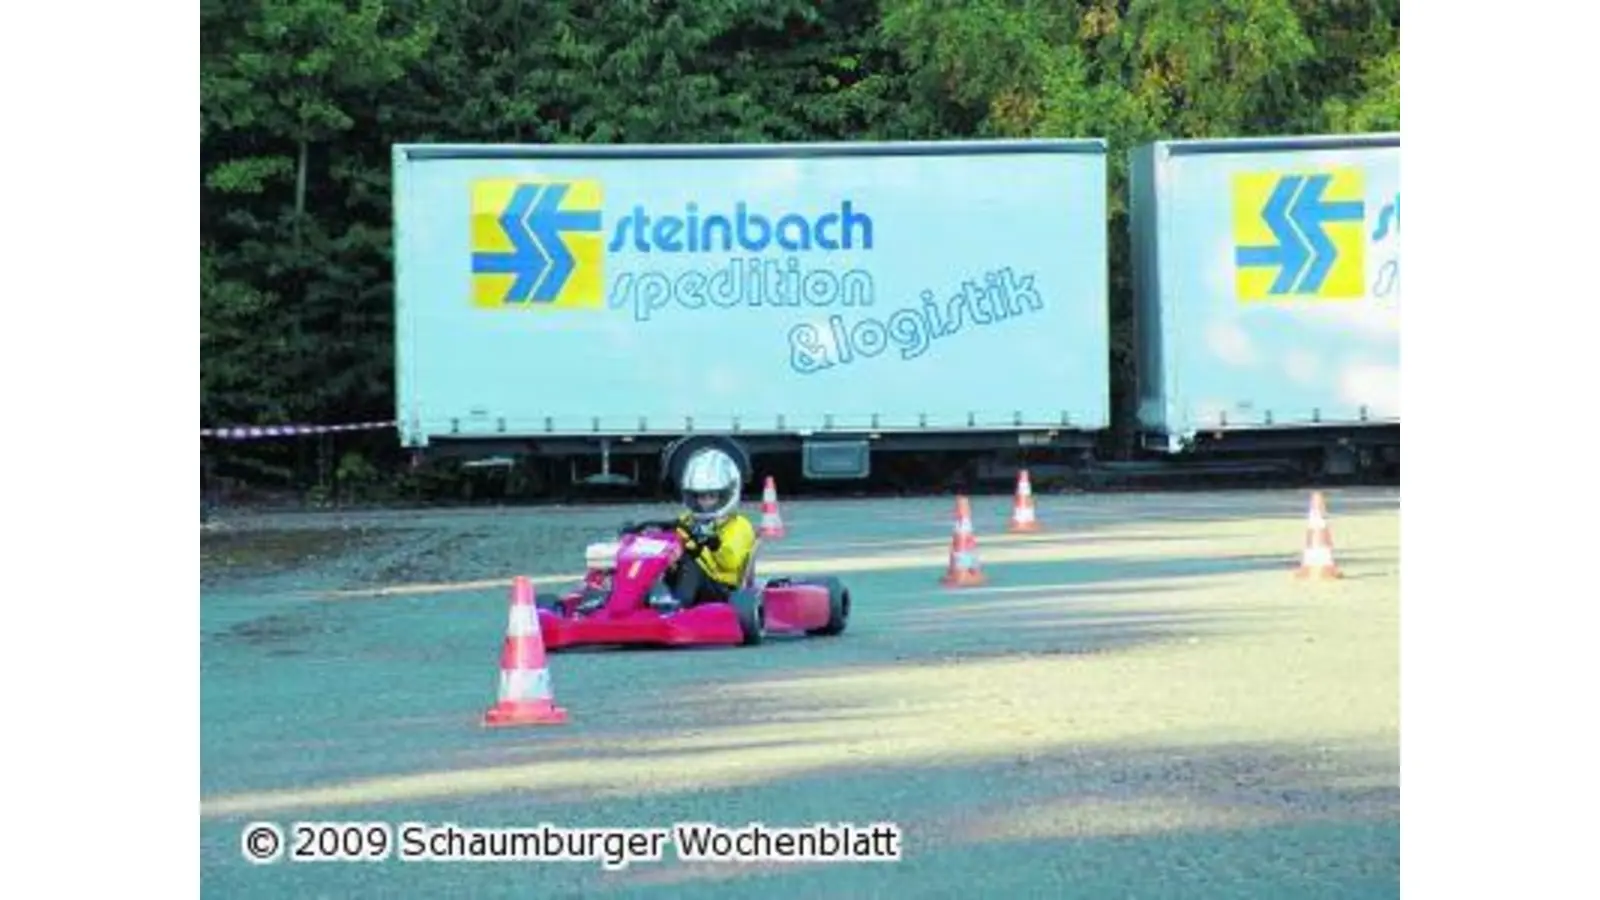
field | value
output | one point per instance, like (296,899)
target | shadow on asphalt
(1255,820)
(1233,820)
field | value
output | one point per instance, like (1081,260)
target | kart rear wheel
(752,616)
(838,608)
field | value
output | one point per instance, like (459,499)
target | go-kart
(626,598)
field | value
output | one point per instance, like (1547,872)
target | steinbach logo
(1300,235)
(539,243)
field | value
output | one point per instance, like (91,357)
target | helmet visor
(705,501)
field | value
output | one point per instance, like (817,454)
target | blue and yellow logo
(1300,235)
(537,243)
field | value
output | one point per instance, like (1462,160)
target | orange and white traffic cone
(1316,561)
(771,520)
(525,694)
(1023,517)
(964,569)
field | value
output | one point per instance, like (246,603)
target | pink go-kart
(626,598)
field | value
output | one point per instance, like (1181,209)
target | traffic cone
(964,570)
(771,520)
(1022,513)
(525,695)
(1316,561)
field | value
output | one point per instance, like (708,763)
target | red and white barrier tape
(249,432)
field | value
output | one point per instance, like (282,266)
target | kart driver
(717,537)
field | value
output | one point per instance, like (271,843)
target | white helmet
(710,484)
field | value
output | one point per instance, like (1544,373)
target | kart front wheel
(752,616)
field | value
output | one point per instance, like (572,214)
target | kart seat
(748,576)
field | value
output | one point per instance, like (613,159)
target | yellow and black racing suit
(718,565)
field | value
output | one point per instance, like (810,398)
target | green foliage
(1377,106)
(302,99)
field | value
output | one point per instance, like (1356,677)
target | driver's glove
(691,546)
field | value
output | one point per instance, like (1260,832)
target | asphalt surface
(1141,702)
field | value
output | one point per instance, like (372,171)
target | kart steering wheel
(672,526)
(654,525)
